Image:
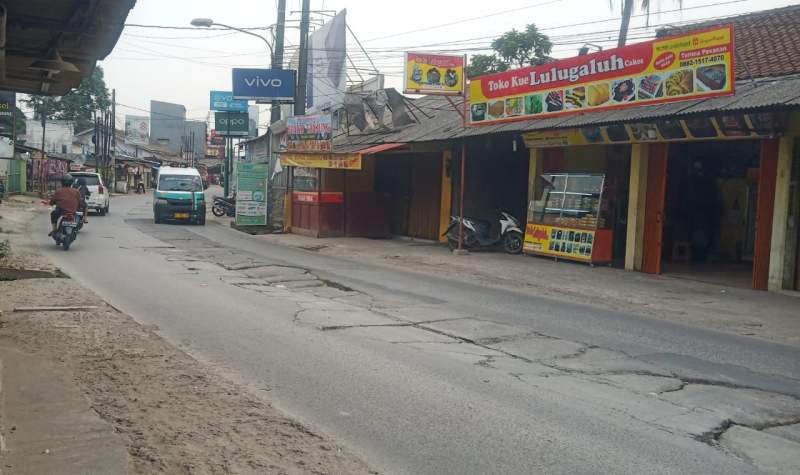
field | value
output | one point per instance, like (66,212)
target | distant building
(168,125)
(58,135)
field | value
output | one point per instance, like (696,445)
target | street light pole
(277,55)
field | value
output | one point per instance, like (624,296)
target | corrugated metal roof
(442,122)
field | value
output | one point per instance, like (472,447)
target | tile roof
(765,42)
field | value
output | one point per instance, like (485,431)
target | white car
(99,198)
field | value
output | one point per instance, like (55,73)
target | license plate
(181,215)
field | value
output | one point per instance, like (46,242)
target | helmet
(67,180)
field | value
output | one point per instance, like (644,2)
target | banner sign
(690,66)
(223,101)
(251,194)
(137,130)
(433,74)
(340,161)
(559,242)
(232,123)
(722,127)
(309,133)
(264,84)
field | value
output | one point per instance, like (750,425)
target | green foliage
(5,250)
(513,49)
(79,105)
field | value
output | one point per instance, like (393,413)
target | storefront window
(305,179)
(571,200)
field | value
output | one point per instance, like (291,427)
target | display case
(569,219)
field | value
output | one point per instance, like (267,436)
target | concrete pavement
(422,374)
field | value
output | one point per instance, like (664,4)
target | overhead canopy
(81,32)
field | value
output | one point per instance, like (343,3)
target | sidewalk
(94,392)
(764,315)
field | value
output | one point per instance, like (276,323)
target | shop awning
(380,148)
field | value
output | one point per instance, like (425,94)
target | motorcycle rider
(80,185)
(66,199)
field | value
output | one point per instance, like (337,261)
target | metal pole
(277,55)
(113,173)
(461,199)
(45,170)
(302,70)
(228,158)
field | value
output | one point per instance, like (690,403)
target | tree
(79,105)
(513,49)
(627,11)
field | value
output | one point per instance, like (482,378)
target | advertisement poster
(309,133)
(232,123)
(340,161)
(691,66)
(137,130)
(223,101)
(433,74)
(559,242)
(251,195)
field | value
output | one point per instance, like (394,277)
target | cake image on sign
(555,101)
(711,78)
(497,109)
(575,98)
(513,106)
(623,90)
(533,104)
(598,94)
(651,87)
(478,112)
(680,83)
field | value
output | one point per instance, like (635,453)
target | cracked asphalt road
(420,374)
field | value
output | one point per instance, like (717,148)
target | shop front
(692,197)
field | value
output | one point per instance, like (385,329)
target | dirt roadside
(176,414)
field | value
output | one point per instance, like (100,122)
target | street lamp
(208,23)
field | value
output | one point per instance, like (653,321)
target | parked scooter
(478,233)
(224,206)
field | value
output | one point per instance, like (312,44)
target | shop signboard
(556,241)
(689,66)
(309,133)
(137,129)
(264,84)
(232,124)
(433,74)
(8,104)
(251,194)
(722,127)
(223,101)
(337,161)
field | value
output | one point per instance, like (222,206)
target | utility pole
(302,70)
(277,55)
(114,139)
(45,169)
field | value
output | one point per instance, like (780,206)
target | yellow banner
(690,66)
(559,242)
(342,161)
(433,74)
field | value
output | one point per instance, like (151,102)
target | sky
(183,65)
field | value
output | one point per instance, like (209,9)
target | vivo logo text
(259,81)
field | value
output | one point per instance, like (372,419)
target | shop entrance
(412,185)
(709,219)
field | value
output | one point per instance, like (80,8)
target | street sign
(223,101)
(232,123)
(264,84)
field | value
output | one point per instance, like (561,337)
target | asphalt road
(419,374)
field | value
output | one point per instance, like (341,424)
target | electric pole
(302,70)
(113,173)
(277,55)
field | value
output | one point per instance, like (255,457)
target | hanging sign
(690,66)
(433,74)
(309,133)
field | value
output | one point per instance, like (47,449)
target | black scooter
(224,206)
(478,233)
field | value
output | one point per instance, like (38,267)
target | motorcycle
(67,230)
(224,206)
(478,233)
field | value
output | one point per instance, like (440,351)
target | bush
(5,250)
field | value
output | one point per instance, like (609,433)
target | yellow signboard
(690,66)
(342,161)
(434,74)
(559,242)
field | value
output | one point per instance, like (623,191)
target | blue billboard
(223,101)
(264,84)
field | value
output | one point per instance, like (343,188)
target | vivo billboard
(264,84)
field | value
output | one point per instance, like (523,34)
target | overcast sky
(182,66)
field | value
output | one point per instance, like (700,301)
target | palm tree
(627,11)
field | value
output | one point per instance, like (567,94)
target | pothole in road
(8,274)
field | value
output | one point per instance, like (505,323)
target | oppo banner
(232,123)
